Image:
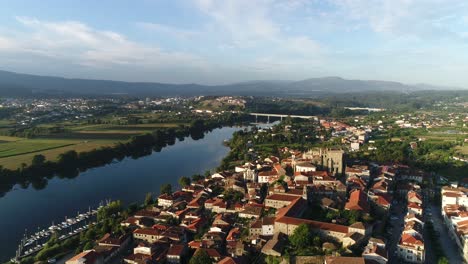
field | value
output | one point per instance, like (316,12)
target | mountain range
(17,84)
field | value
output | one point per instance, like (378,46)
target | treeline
(284,106)
(71,163)
(30,132)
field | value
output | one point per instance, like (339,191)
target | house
(279,200)
(175,254)
(414,197)
(230,260)
(267,176)
(147,252)
(382,200)
(109,246)
(147,234)
(344,260)
(413,227)
(86,257)
(352,238)
(375,251)
(359,171)
(411,248)
(251,212)
(355,183)
(414,217)
(304,167)
(264,226)
(358,201)
(165,200)
(415,208)
(275,246)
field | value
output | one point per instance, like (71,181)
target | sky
(224,41)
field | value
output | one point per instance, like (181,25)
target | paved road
(396,224)
(448,245)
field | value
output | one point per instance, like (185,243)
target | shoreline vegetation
(69,164)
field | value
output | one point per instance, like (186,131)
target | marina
(33,243)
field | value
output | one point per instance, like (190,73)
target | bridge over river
(281,116)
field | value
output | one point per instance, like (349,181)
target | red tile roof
(313,224)
(176,250)
(90,256)
(357,201)
(282,197)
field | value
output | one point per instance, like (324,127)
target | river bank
(128,180)
(69,164)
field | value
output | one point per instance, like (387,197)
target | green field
(14,148)
(462,150)
(15,151)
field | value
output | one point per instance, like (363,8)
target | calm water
(128,181)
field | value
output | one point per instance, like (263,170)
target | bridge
(281,116)
(366,109)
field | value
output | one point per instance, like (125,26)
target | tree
(198,177)
(166,188)
(148,199)
(233,195)
(184,181)
(301,237)
(88,245)
(272,260)
(200,257)
(38,160)
(317,242)
(443,260)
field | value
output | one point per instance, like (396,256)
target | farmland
(16,152)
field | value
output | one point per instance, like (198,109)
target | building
(330,159)
(86,257)
(358,201)
(175,254)
(279,200)
(147,234)
(375,251)
(304,167)
(411,248)
(165,200)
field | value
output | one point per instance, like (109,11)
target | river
(128,181)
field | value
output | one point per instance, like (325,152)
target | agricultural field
(13,162)
(15,151)
(462,150)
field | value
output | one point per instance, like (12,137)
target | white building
(411,248)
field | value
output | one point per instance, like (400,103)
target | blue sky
(212,42)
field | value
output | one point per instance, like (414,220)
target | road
(448,245)
(397,211)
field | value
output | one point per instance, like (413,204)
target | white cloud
(80,44)
(249,24)
(169,30)
(421,18)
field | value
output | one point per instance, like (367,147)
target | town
(292,204)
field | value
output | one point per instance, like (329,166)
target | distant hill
(17,84)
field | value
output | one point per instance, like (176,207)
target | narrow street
(396,228)
(449,246)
